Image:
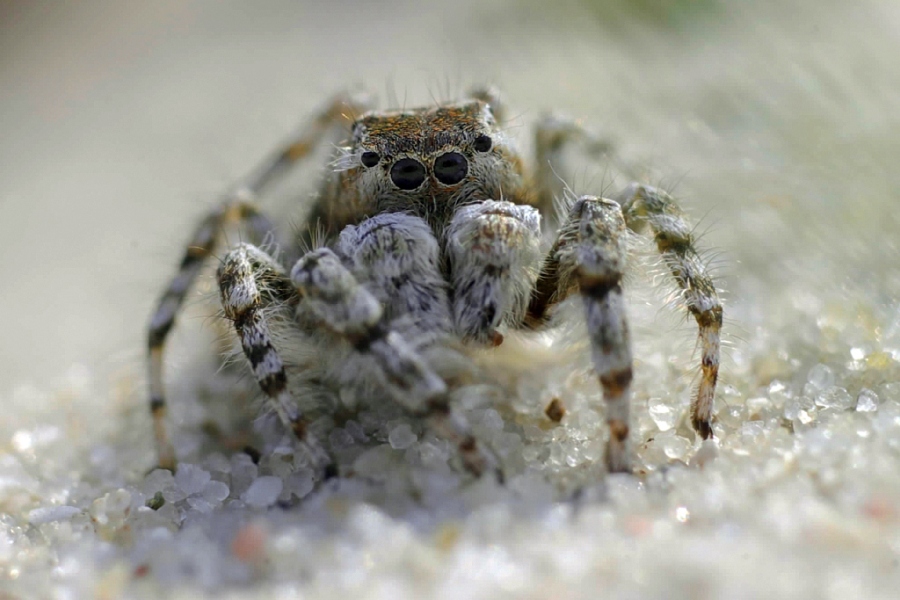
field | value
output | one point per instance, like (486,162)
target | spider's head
(431,156)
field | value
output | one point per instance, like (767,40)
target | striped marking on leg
(202,244)
(611,352)
(644,205)
(244,303)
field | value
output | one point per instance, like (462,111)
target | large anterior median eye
(408,174)
(450,168)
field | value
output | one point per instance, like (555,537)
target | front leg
(334,301)
(589,257)
(385,296)
(492,248)
(253,286)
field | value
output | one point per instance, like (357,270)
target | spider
(433,236)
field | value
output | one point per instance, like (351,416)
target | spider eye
(450,168)
(369,159)
(408,174)
(483,143)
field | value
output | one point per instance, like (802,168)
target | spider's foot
(618,450)
(618,464)
(165,464)
(703,426)
(495,338)
(169,468)
(167,460)
(472,458)
(475,457)
(477,461)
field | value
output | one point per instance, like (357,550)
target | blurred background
(122,122)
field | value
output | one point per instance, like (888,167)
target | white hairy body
(431,237)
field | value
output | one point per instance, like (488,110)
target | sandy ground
(777,125)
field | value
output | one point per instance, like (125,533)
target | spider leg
(251,284)
(239,209)
(490,95)
(386,296)
(396,258)
(588,256)
(338,112)
(334,300)
(492,247)
(644,205)
(203,243)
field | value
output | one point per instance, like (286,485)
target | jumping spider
(433,234)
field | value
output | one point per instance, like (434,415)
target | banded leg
(644,205)
(328,122)
(251,284)
(397,258)
(492,247)
(203,243)
(589,257)
(394,307)
(334,300)
(237,209)
(491,96)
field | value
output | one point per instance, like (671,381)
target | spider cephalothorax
(424,161)
(434,238)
